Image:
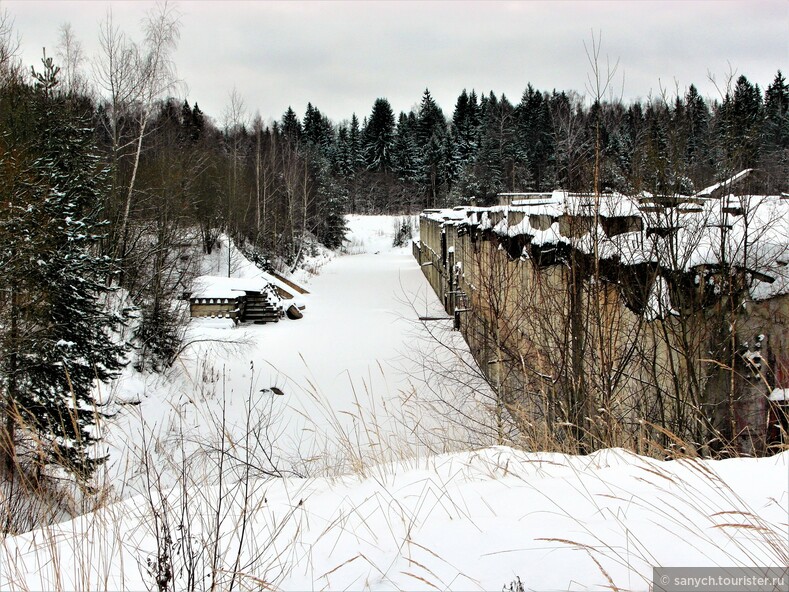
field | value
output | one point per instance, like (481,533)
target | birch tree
(72,59)
(134,77)
(9,47)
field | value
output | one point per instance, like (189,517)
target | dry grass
(201,517)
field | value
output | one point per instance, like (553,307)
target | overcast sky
(341,56)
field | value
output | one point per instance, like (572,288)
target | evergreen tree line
(548,140)
(275,187)
(271,185)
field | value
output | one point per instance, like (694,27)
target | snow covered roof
(444,215)
(749,232)
(724,185)
(208,286)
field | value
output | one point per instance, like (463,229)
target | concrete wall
(574,363)
(230,308)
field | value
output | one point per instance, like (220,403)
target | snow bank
(465,521)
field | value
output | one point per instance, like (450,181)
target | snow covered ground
(331,485)
(465,521)
(344,368)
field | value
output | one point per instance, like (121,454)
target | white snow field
(223,484)
(464,521)
(344,368)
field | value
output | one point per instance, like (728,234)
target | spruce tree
(696,128)
(186,116)
(61,343)
(317,131)
(465,127)
(198,121)
(355,144)
(776,133)
(330,228)
(291,127)
(740,126)
(535,137)
(340,154)
(379,137)
(431,128)
(776,108)
(405,151)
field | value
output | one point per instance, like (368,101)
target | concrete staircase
(259,309)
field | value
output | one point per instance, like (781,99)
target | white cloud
(341,56)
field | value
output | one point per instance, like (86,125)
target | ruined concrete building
(637,321)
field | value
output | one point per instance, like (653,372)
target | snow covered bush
(403,231)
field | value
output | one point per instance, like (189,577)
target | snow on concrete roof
(209,286)
(746,231)
(733,180)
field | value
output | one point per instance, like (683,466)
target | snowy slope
(464,521)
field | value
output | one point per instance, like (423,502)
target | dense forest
(103,181)
(272,185)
